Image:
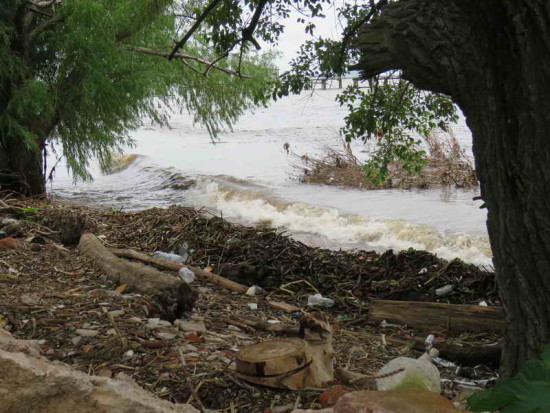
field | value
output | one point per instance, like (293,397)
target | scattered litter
(440,292)
(186,275)
(253,306)
(410,373)
(483,303)
(319,300)
(254,290)
(423,271)
(169,257)
(273,321)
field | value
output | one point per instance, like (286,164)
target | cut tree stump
(172,296)
(429,316)
(291,363)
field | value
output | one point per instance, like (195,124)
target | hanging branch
(193,28)
(247,35)
(188,57)
(353,30)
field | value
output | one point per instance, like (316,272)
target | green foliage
(81,86)
(391,110)
(388,109)
(528,392)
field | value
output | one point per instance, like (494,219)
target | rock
(233,328)
(86,333)
(31,383)
(76,340)
(395,401)
(191,326)
(418,374)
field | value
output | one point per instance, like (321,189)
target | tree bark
(21,167)
(493,58)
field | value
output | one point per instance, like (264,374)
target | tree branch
(193,28)
(188,57)
(353,30)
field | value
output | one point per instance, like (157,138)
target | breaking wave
(337,229)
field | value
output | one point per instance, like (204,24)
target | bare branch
(193,28)
(188,57)
(353,30)
(247,35)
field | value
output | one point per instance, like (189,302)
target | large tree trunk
(493,58)
(21,167)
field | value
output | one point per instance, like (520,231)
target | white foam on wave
(346,230)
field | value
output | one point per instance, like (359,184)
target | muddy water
(247,177)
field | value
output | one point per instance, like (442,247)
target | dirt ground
(52,293)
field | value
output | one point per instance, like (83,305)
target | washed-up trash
(169,257)
(319,300)
(483,303)
(183,251)
(440,292)
(415,374)
(254,290)
(186,275)
(253,306)
(423,271)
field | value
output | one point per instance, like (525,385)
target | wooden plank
(431,316)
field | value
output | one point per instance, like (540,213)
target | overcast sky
(294,35)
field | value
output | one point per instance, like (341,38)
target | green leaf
(528,392)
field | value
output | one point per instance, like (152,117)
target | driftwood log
(463,354)
(170,265)
(429,316)
(172,296)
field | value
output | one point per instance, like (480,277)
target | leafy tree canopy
(88,71)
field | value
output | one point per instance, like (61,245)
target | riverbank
(50,292)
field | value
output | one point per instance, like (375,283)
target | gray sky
(294,35)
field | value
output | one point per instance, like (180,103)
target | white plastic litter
(168,256)
(186,275)
(319,300)
(444,290)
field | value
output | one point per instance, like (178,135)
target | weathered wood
(430,316)
(172,296)
(279,305)
(291,363)
(461,353)
(170,265)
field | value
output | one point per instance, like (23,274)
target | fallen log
(172,296)
(170,265)
(465,355)
(429,316)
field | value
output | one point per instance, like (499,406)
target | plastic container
(168,256)
(320,301)
(186,275)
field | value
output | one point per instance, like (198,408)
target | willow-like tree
(83,73)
